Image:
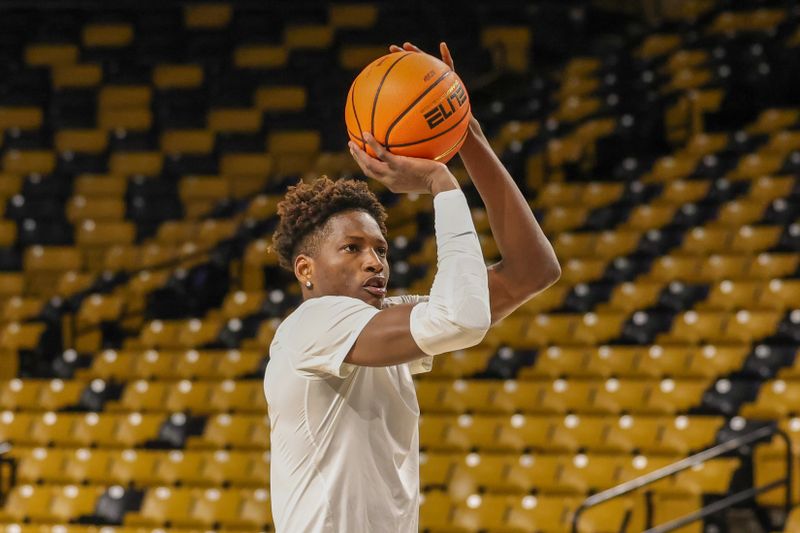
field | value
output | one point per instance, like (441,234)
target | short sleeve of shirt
(424,364)
(324,329)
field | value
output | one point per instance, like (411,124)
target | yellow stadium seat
(768,188)
(124,97)
(238,396)
(42,464)
(710,477)
(92,429)
(240,469)
(750,239)
(681,191)
(778,294)
(190,396)
(693,327)
(100,209)
(136,163)
(107,35)
(177,76)
(207,15)
(514,40)
(260,56)
(558,219)
(95,238)
(704,241)
(237,431)
(729,295)
(91,185)
(435,511)
(462,362)
(646,217)
(776,399)
(179,466)
(256,509)
(356,57)
(773,265)
(672,396)
(79,75)
(52,428)
(135,429)
(17,309)
(29,161)
(632,296)
(49,55)
(721,267)
(747,326)
(772,120)
(714,361)
(18,393)
(238,120)
(197,141)
(89,466)
(29,501)
(20,117)
(59,394)
(308,36)
(162,505)
(583,270)
(195,332)
(597,328)
(84,141)
(352,15)
(281,98)
(141,395)
(752,166)
(138,467)
(740,212)
(134,119)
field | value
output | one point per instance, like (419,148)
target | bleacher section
(143,156)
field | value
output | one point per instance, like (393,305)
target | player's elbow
(473,319)
(551,273)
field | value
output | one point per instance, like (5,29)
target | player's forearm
(528,261)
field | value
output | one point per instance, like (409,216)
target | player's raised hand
(443,50)
(400,174)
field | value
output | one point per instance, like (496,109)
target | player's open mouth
(376,285)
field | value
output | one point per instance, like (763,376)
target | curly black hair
(307,207)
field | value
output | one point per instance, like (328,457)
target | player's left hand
(443,50)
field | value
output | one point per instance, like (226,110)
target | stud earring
(308,284)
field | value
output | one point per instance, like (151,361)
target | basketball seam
(355,113)
(431,138)
(378,92)
(460,139)
(415,102)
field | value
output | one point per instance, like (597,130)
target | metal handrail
(11,464)
(698,458)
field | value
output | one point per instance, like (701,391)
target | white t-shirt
(344,438)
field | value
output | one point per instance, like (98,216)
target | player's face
(352,259)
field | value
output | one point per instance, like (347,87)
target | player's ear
(303,268)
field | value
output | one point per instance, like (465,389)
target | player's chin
(373,295)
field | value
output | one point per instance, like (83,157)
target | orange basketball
(412,103)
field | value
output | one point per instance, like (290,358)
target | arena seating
(143,157)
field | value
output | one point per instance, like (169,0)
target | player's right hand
(401,174)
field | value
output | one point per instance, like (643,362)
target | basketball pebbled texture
(412,103)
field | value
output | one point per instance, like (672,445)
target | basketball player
(342,405)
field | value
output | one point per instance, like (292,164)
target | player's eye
(382,252)
(350,248)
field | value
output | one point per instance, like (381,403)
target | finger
(395,48)
(382,153)
(446,56)
(410,47)
(374,168)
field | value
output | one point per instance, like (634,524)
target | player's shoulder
(311,311)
